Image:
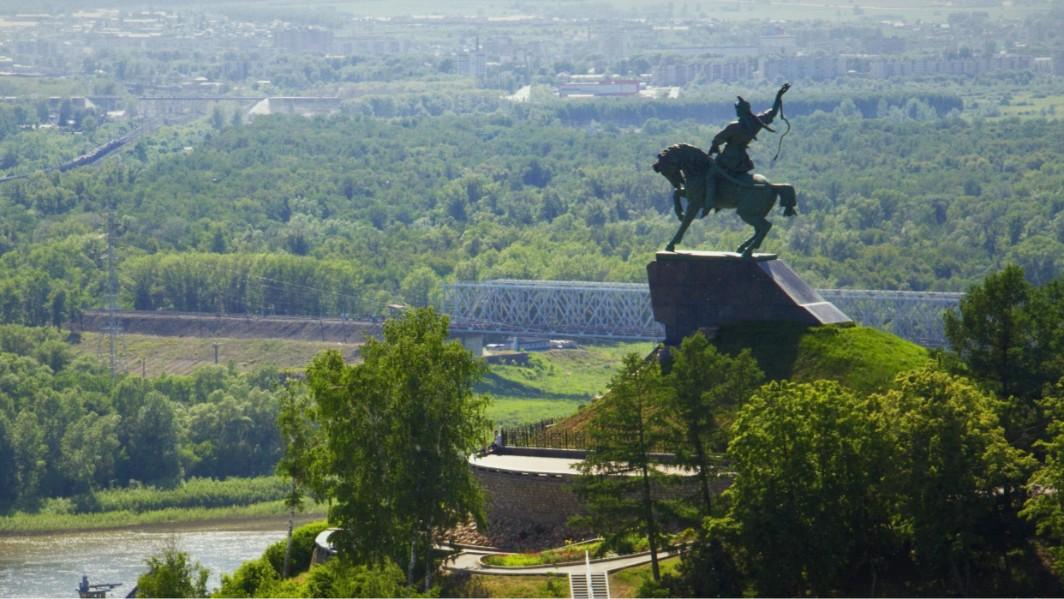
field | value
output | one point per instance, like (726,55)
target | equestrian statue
(722,178)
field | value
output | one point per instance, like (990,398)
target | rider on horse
(736,137)
(722,179)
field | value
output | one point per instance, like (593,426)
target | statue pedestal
(707,290)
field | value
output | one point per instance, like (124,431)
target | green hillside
(861,358)
(555,384)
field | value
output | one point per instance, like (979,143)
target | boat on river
(95,591)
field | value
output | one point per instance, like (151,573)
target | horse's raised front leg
(688,217)
(676,195)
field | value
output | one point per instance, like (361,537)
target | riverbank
(50,565)
(242,515)
(196,500)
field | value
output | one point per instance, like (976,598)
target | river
(52,565)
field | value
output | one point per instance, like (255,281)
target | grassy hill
(863,359)
(555,384)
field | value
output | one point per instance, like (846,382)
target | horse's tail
(787,197)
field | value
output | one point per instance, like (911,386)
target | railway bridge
(576,309)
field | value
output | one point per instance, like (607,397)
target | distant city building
(372,46)
(883,45)
(595,85)
(816,68)
(779,45)
(614,44)
(884,67)
(36,48)
(677,72)
(315,40)
(726,51)
(472,63)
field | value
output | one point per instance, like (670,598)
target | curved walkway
(469,561)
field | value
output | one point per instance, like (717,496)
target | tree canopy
(396,432)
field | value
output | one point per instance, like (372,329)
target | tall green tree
(152,442)
(951,474)
(397,430)
(1047,314)
(295,419)
(805,510)
(706,386)
(993,329)
(621,482)
(1009,335)
(89,448)
(1045,506)
(8,473)
(30,453)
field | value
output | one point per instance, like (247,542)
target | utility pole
(112,291)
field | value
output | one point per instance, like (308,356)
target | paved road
(469,561)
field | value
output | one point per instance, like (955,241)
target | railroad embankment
(185,324)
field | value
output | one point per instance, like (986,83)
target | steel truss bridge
(574,309)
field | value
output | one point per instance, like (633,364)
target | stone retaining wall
(529,511)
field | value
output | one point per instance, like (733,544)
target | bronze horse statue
(752,196)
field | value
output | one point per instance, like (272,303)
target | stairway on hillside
(600,586)
(578,586)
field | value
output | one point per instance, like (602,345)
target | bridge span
(575,309)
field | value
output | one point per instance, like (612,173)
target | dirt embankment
(184,324)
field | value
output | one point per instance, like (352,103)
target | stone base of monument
(693,291)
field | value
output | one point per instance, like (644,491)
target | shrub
(337,578)
(249,579)
(302,548)
(173,574)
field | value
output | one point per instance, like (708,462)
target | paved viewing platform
(546,466)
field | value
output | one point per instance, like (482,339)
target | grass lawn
(518,586)
(511,411)
(626,583)
(1005,103)
(562,374)
(555,384)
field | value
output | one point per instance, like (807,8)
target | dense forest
(68,431)
(343,214)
